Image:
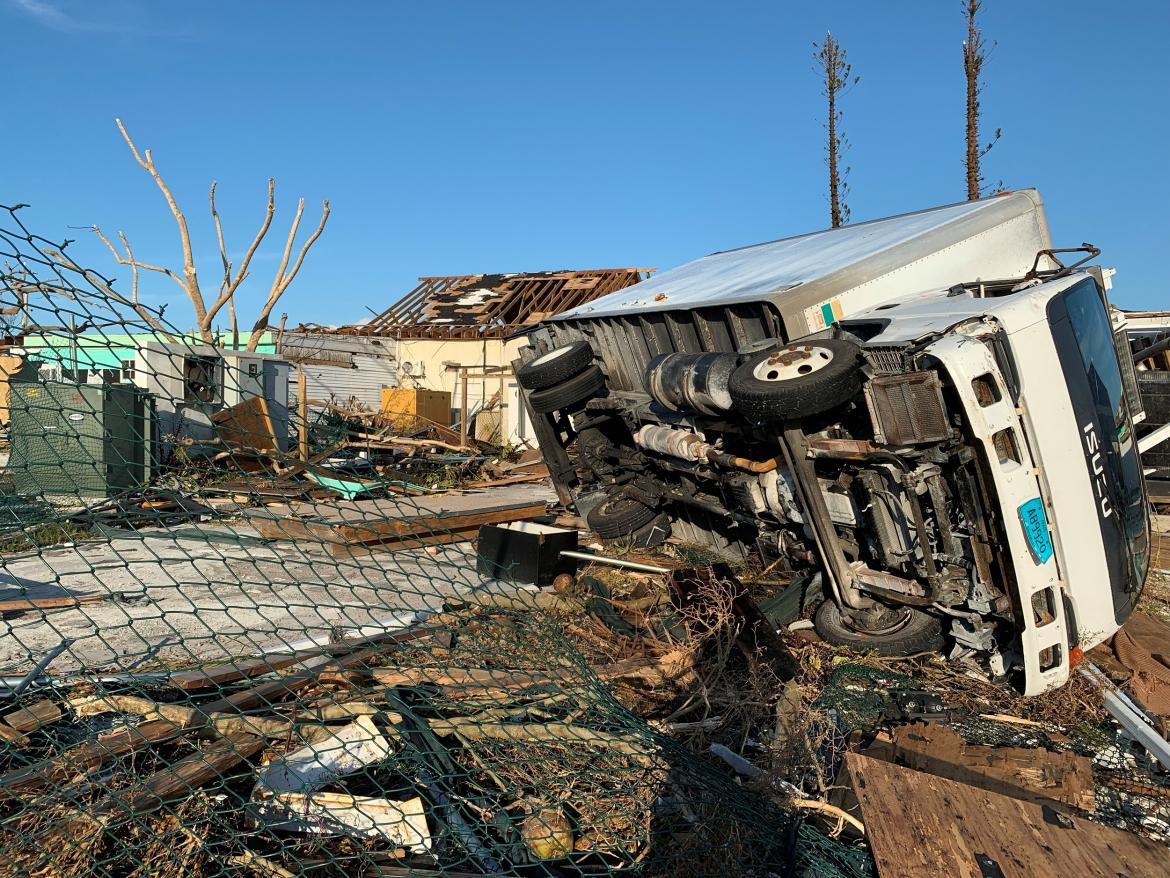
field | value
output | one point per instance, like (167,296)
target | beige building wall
(423,362)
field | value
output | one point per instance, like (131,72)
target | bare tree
(834,67)
(974,57)
(233,276)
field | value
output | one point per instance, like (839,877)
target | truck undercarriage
(817,455)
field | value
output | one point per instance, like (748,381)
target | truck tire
(567,393)
(616,518)
(797,380)
(559,364)
(919,633)
(652,535)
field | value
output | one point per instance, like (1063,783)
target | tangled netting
(216,665)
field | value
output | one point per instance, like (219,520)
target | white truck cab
(926,415)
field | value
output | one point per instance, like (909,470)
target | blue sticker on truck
(1035,524)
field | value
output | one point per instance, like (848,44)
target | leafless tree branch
(146,160)
(282,280)
(232,276)
(100,284)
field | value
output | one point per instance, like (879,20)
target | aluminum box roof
(997,236)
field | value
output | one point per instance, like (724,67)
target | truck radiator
(626,345)
(907,409)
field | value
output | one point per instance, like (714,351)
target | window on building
(128,371)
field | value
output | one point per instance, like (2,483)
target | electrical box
(434,405)
(82,440)
(524,551)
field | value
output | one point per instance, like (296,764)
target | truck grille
(625,345)
(885,360)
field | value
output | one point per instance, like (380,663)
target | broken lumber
(178,779)
(221,675)
(192,718)
(26,605)
(89,755)
(36,715)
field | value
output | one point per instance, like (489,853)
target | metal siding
(340,384)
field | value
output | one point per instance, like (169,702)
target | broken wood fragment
(90,755)
(178,779)
(35,716)
(192,718)
(11,736)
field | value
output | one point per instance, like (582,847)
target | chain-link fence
(237,642)
(226,653)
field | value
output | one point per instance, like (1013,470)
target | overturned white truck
(926,414)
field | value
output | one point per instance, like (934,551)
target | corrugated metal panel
(339,384)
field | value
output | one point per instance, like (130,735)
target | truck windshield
(1084,341)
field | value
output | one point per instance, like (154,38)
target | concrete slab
(200,592)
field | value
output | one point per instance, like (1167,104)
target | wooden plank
(922,826)
(303,415)
(343,527)
(424,525)
(355,551)
(221,675)
(178,780)
(38,714)
(89,755)
(26,605)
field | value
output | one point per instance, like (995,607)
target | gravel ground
(201,592)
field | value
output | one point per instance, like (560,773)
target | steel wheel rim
(550,356)
(792,363)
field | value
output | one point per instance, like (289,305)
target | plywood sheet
(922,826)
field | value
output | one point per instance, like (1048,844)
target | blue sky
(464,137)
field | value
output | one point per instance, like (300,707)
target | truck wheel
(567,393)
(652,535)
(556,366)
(906,632)
(615,518)
(797,380)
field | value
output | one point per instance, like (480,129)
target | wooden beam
(303,412)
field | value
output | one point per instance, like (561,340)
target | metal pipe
(1151,350)
(40,666)
(616,562)
(1131,719)
(743,463)
(688,446)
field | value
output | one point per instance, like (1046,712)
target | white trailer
(927,414)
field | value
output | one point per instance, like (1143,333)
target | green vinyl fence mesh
(214,665)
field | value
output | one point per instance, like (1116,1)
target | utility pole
(974,56)
(834,67)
